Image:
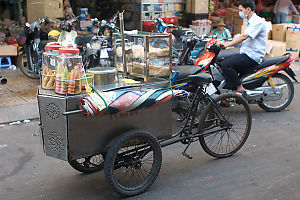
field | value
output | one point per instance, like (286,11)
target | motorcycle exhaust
(3,81)
(265,94)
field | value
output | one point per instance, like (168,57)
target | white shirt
(255,45)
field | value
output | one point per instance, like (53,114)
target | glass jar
(48,66)
(68,71)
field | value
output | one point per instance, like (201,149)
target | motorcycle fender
(205,60)
(254,83)
(291,73)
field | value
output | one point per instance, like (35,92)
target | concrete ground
(267,167)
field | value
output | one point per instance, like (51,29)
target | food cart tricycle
(127,144)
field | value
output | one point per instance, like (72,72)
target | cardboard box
(275,48)
(197,6)
(293,38)
(238,29)
(239,21)
(279,31)
(8,50)
(231,13)
(41,8)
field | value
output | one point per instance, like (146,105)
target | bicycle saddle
(201,78)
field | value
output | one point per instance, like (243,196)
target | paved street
(266,168)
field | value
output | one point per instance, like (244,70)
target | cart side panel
(53,124)
(91,135)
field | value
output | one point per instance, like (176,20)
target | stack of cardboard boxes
(232,17)
(239,25)
(289,36)
(40,8)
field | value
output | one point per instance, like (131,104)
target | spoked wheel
(232,124)
(23,65)
(287,94)
(133,162)
(88,164)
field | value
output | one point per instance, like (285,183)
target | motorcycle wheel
(23,65)
(288,94)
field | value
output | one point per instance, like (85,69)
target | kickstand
(184,152)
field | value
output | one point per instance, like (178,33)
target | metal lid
(102,70)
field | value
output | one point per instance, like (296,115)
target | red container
(171,20)
(148,26)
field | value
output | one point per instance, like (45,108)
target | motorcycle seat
(225,53)
(271,61)
(185,70)
(200,78)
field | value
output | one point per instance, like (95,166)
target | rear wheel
(23,65)
(133,162)
(231,123)
(287,94)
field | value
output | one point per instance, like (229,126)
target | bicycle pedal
(187,155)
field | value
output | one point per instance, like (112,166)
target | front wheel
(287,94)
(133,162)
(23,65)
(228,125)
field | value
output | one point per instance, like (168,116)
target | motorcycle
(99,50)
(68,35)
(32,42)
(265,86)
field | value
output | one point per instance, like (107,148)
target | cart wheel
(133,162)
(88,164)
(231,131)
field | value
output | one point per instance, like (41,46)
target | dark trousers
(234,65)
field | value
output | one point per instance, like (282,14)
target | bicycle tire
(210,119)
(127,162)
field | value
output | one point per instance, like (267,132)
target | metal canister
(103,75)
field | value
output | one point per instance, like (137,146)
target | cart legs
(133,162)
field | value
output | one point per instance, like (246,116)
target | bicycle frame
(190,119)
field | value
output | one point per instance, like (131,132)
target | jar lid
(69,50)
(53,47)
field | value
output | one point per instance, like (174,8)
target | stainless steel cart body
(67,136)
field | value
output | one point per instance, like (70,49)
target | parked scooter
(32,41)
(265,86)
(99,50)
(68,35)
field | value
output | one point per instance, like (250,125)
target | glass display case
(147,56)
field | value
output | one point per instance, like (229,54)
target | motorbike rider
(254,43)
